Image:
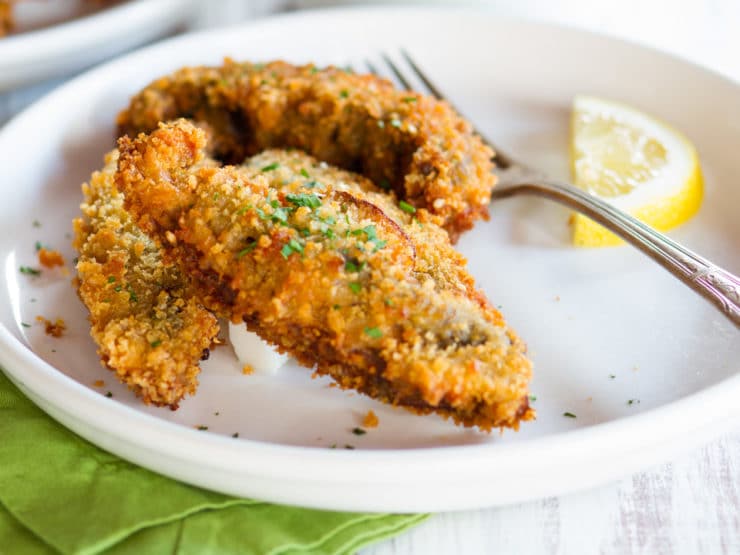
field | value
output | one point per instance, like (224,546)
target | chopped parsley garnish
(633,402)
(215,196)
(569,415)
(612,376)
(375,333)
(353,267)
(132,294)
(533,398)
(270,167)
(201,428)
(36,223)
(156,343)
(109,394)
(408,99)
(311,184)
(304,199)
(304,173)
(355,287)
(39,246)
(384,184)
(359,431)
(25,325)
(336,307)
(290,247)
(406,207)
(117,288)
(333,446)
(388,302)
(344,93)
(111,279)
(249,248)
(349,446)
(243,210)
(279,214)
(30,271)
(371,236)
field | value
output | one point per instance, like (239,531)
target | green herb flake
(117,288)
(215,196)
(633,402)
(355,287)
(384,184)
(290,247)
(202,428)
(109,394)
(406,207)
(30,271)
(388,302)
(249,248)
(25,325)
(279,215)
(353,267)
(344,93)
(569,415)
(243,210)
(39,246)
(235,434)
(156,343)
(375,333)
(350,447)
(333,446)
(270,167)
(305,173)
(111,279)
(359,431)
(336,307)
(533,398)
(132,294)
(304,199)
(612,376)
(408,99)
(36,223)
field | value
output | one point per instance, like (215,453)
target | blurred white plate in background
(52,39)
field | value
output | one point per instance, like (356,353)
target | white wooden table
(690,505)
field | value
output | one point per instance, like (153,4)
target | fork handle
(718,286)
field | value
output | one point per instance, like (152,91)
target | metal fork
(718,286)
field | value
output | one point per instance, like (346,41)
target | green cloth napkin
(61,494)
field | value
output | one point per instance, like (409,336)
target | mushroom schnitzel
(403,141)
(332,270)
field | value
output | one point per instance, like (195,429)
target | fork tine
(397,72)
(502,161)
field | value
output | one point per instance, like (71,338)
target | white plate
(586,314)
(56,38)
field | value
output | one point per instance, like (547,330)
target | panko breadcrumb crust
(149,328)
(322,264)
(403,141)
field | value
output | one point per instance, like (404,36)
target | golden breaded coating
(413,144)
(6,17)
(149,328)
(318,263)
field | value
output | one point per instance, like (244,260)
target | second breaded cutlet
(413,144)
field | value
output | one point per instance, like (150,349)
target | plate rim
(15,357)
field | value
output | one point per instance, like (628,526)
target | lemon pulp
(635,162)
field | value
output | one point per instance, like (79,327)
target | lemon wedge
(635,162)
